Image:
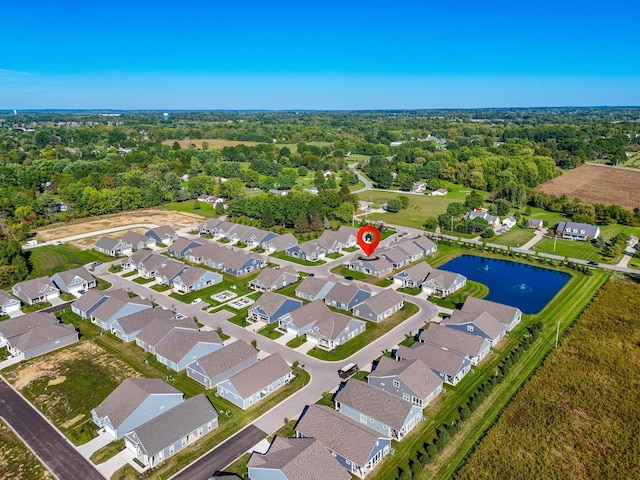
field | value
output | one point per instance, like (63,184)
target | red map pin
(368,239)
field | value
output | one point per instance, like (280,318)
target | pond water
(527,287)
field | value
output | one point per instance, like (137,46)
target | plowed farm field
(598,184)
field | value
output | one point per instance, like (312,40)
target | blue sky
(321,55)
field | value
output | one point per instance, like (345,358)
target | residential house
(164,234)
(91,300)
(378,267)
(208,227)
(414,276)
(182,347)
(440,192)
(42,339)
(256,236)
(509,222)
(356,447)
(344,237)
(418,187)
(168,270)
(134,402)
(377,409)
(222,363)
(345,296)
(271,279)
(396,256)
(271,307)
(450,366)
(473,346)
(492,220)
(442,283)
(313,288)
(138,241)
(535,223)
(112,247)
(181,246)
(135,259)
(192,279)
(425,244)
(482,324)
(235,233)
(252,384)
(240,263)
(506,314)
(310,251)
(223,229)
(410,380)
(8,304)
(113,308)
(577,231)
(295,459)
(279,243)
(126,328)
(211,200)
(211,254)
(165,435)
(37,290)
(334,329)
(75,281)
(380,306)
(301,320)
(149,266)
(410,249)
(156,332)
(14,327)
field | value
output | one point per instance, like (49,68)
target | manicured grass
(160,288)
(333,256)
(18,462)
(205,209)
(35,307)
(108,451)
(48,259)
(125,473)
(609,231)
(372,332)
(296,342)
(409,291)
(129,274)
(143,281)
(229,282)
(573,249)
(474,289)
(270,331)
(299,261)
(516,237)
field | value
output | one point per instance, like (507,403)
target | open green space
(516,237)
(585,395)
(300,261)
(229,282)
(188,206)
(573,249)
(270,331)
(49,259)
(18,462)
(372,332)
(296,342)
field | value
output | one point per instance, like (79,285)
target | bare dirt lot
(214,143)
(178,220)
(598,184)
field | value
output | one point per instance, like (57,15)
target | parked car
(196,301)
(348,277)
(595,264)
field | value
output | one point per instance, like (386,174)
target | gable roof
(259,375)
(501,312)
(443,278)
(68,275)
(283,242)
(383,301)
(269,276)
(484,321)
(162,231)
(42,335)
(127,396)
(31,321)
(192,274)
(33,288)
(453,339)
(344,292)
(93,297)
(134,238)
(437,358)
(180,342)
(332,325)
(375,403)
(270,302)
(582,228)
(138,320)
(174,424)
(346,437)
(158,328)
(312,285)
(6,298)
(171,268)
(184,243)
(418,272)
(299,459)
(410,247)
(226,357)
(414,373)
(309,313)
(236,259)
(424,243)
(107,243)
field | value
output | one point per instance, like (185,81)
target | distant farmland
(598,184)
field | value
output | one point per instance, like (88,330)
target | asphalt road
(222,455)
(47,443)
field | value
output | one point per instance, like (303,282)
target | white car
(196,301)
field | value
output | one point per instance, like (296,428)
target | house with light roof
(37,290)
(222,363)
(380,306)
(473,346)
(271,279)
(75,281)
(182,347)
(271,307)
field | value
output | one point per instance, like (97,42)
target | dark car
(595,264)
(348,277)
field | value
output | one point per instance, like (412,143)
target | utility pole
(557,333)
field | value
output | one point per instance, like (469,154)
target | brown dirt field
(178,220)
(598,184)
(214,143)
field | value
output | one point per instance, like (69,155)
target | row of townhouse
(394,256)
(329,242)
(250,236)
(433,281)
(132,241)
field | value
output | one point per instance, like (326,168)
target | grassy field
(578,416)
(516,237)
(48,260)
(187,206)
(229,282)
(17,462)
(573,249)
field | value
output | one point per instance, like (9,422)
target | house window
(171,450)
(469,328)
(348,462)
(406,397)
(396,383)
(184,442)
(363,418)
(371,420)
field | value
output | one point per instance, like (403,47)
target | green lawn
(296,342)
(160,288)
(108,451)
(284,256)
(205,209)
(229,282)
(573,249)
(143,281)
(609,231)
(270,331)
(372,332)
(516,237)
(49,259)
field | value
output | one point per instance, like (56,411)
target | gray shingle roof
(312,285)
(384,300)
(375,403)
(414,373)
(443,278)
(157,329)
(138,320)
(269,302)
(226,358)
(107,243)
(33,288)
(180,342)
(68,275)
(42,335)
(419,271)
(502,313)
(163,230)
(171,268)
(333,325)
(339,433)
(5,297)
(484,320)
(300,459)
(311,312)
(282,242)
(235,259)
(269,276)
(19,325)
(192,274)
(452,339)
(129,395)
(410,247)
(436,358)
(174,424)
(134,238)
(424,243)
(343,293)
(257,376)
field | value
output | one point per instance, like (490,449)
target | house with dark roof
(378,267)
(334,329)
(310,251)
(134,402)
(313,288)
(279,243)
(222,364)
(112,247)
(535,223)
(577,231)
(164,234)
(411,380)
(271,307)
(75,281)
(138,241)
(148,267)
(506,314)
(295,459)
(346,295)
(211,254)
(181,246)
(37,290)
(356,447)
(473,346)
(192,279)
(482,324)
(208,227)
(271,279)
(380,306)
(165,435)
(252,384)
(182,347)
(239,263)
(382,411)
(8,304)
(156,332)
(126,328)
(450,366)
